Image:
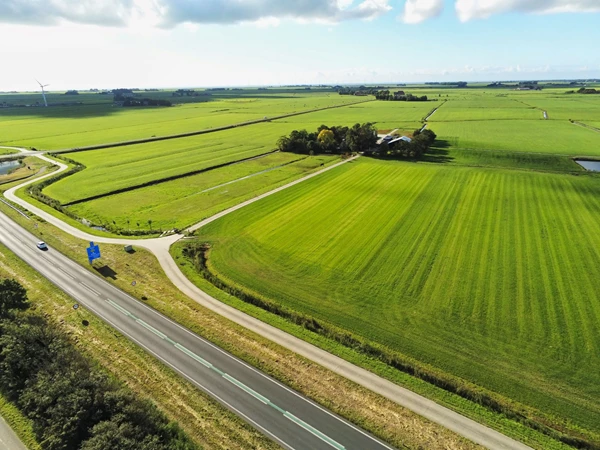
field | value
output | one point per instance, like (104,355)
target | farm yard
(478,262)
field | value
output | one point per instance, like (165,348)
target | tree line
(72,403)
(399,96)
(337,139)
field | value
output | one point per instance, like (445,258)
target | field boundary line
(200,132)
(585,125)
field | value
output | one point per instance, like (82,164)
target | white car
(42,245)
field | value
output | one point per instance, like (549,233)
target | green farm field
(385,115)
(486,274)
(57,128)
(539,136)
(185,201)
(121,167)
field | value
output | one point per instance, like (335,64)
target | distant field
(77,126)
(183,202)
(544,136)
(487,274)
(574,106)
(385,115)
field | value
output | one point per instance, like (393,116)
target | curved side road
(452,420)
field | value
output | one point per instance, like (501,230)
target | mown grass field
(486,274)
(77,126)
(540,136)
(122,167)
(183,202)
(385,115)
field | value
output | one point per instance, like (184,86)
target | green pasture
(503,159)
(573,106)
(486,274)
(385,115)
(183,202)
(540,136)
(56,128)
(451,113)
(122,167)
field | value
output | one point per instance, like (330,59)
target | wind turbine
(43,92)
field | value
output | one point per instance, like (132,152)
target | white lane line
(250,391)
(123,310)
(192,355)
(66,273)
(314,431)
(90,289)
(152,329)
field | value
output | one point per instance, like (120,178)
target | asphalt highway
(280,413)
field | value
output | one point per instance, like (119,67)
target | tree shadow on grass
(438,153)
(106,272)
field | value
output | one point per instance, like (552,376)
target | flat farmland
(568,106)
(486,274)
(485,108)
(385,115)
(185,201)
(122,167)
(56,128)
(545,136)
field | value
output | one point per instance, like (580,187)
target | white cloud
(238,11)
(169,13)
(481,9)
(105,12)
(416,11)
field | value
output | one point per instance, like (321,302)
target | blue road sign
(93,252)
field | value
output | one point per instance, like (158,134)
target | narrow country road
(462,425)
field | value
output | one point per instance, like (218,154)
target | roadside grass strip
(232,380)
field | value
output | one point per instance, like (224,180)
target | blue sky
(173,43)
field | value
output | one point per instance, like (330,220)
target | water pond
(7,166)
(593,166)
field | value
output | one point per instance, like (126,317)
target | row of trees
(399,97)
(588,91)
(72,403)
(460,84)
(415,149)
(326,139)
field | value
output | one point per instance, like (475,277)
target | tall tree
(13,296)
